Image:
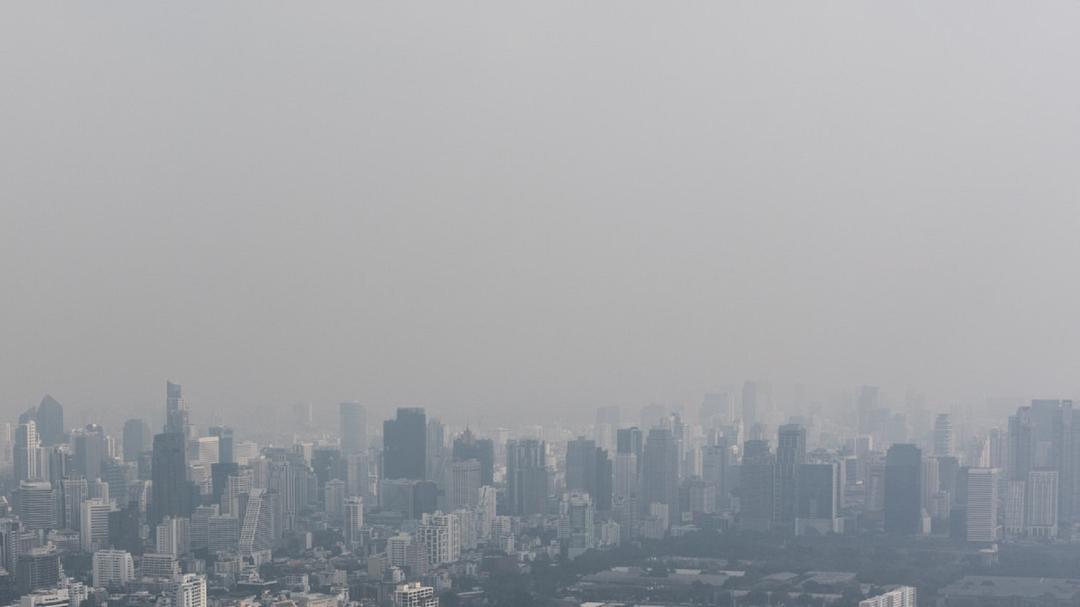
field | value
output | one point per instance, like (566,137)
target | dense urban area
(745,500)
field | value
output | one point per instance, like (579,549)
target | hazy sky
(525,204)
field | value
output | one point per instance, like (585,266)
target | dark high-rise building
(124,529)
(903,494)
(660,471)
(328,464)
(757,487)
(581,465)
(527,476)
(219,478)
(605,481)
(817,498)
(353,420)
(176,411)
(137,439)
(790,455)
(89,444)
(170,490)
(715,464)
(38,569)
(50,422)
(467,447)
(405,444)
(629,441)
(224,435)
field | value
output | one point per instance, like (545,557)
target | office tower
(36,505)
(173,536)
(160,567)
(982,505)
(207,449)
(1042,503)
(226,444)
(113,569)
(462,484)
(750,405)
(405,444)
(89,451)
(1021,451)
(660,471)
(50,422)
(790,455)
(903,492)
(605,480)
(817,493)
(486,510)
(26,457)
(440,535)
(467,446)
(115,474)
(757,486)
(607,421)
(199,528)
(334,499)
(943,436)
(94,524)
(902,596)
(715,463)
(866,407)
(527,477)
(257,529)
(136,439)
(171,491)
(73,491)
(434,465)
(38,569)
(353,420)
(224,533)
(1014,519)
(576,528)
(189,591)
(176,411)
(359,475)
(354,520)
(219,479)
(581,465)
(630,441)
(414,594)
(930,484)
(125,529)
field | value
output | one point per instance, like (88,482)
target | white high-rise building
(982,508)
(257,531)
(929,483)
(1042,503)
(1015,520)
(902,596)
(173,536)
(113,568)
(415,595)
(354,520)
(943,436)
(94,524)
(440,535)
(486,512)
(189,591)
(462,483)
(397,549)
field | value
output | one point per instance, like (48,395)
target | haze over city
(555,206)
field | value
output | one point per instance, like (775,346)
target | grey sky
(516,204)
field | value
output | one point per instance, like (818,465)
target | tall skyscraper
(257,530)
(90,451)
(467,446)
(462,484)
(715,465)
(982,505)
(527,476)
(171,492)
(354,520)
(176,411)
(435,464)
(581,465)
(136,439)
(757,488)
(1042,503)
(943,436)
(353,426)
(817,499)
(94,524)
(50,421)
(660,471)
(790,455)
(630,441)
(27,457)
(226,444)
(903,492)
(405,444)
